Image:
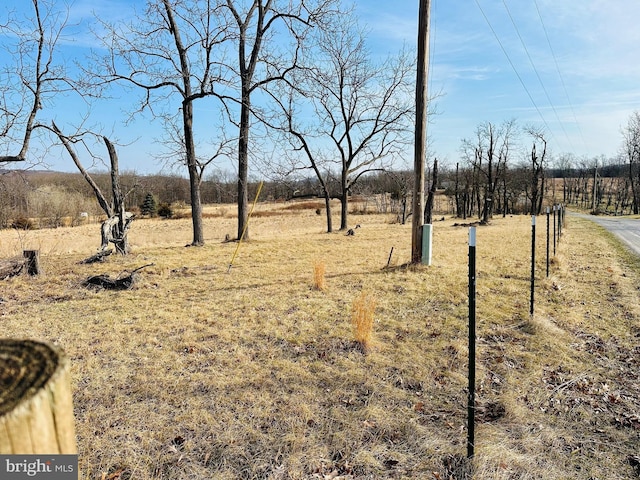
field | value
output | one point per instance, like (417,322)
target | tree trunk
(404,209)
(196,207)
(243,168)
(505,199)
(194,176)
(36,407)
(327,204)
(120,229)
(344,199)
(344,211)
(428,210)
(457,192)
(111,233)
(636,193)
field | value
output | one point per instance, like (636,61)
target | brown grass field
(199,372)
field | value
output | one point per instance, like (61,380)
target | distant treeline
(55,195)
(607,171)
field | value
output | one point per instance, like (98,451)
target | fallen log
(98,257)
(118,283)
(11,267)
(104,281)
(29,262)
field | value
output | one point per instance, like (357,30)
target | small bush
(362,320)
(165,210)
(178,214)
(22,223)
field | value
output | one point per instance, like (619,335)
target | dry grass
(319,271)
(362,312)
(197,373)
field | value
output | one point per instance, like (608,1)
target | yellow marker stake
(255,200)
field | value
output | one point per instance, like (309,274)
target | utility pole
(421,131)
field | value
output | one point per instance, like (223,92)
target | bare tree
(357,112)
(35,77)
(400,190)
(488,155)
(631,153)
(268,35)
(115,228)
(303,139)
(538,159)
(171,55)
(38,79)
(564,164)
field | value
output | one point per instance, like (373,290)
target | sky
(570,67)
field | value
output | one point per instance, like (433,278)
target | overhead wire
(533,66)
(432,43)
(555,59)
(533,102)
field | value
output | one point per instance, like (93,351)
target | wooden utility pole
(421,131)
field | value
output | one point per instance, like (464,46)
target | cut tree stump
(29,262)
(36,407)
(32,258)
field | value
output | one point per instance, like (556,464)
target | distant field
(202,373)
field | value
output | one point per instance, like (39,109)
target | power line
(432,41)
(514,68)
(555,59)
(537,73)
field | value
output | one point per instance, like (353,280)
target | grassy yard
(199,372)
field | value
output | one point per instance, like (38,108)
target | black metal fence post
(547,242)
(472,344)
(560,213)
(555,207)
(533,261)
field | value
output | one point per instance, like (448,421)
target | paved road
(626,229)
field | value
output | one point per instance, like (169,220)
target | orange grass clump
(362,319)
(319,269)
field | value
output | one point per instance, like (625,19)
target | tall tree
(173,56)
(538,163)
(268,35)
(631,153)
(357,112)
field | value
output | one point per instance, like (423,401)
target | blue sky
(571,67)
